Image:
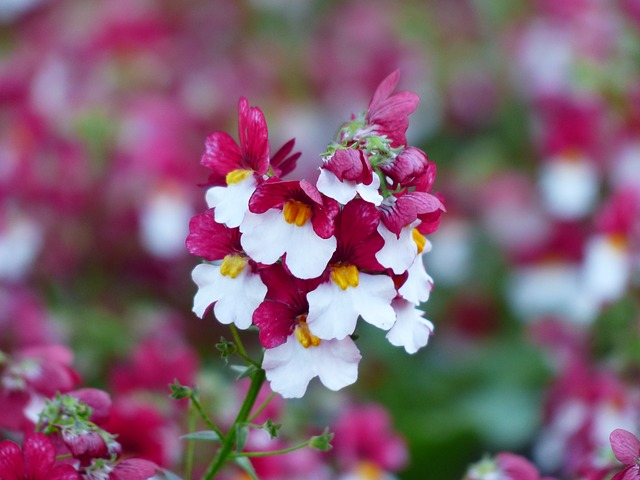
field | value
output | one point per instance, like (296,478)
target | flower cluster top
(304,261)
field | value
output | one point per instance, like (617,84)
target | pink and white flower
(233,287)
(293,354)
(348,173)
(411,330)
(290,218)
(355,283)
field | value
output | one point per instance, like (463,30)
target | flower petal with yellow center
(237,176)
(345,276)
(296,212)
(232,265)
(419,239)
(304,336)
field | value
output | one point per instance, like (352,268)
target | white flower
(334,307)
(397,253)
(417,287)
(231,202)
(268,236)
(234,289)
(346,190)
(291,366)
(411,330)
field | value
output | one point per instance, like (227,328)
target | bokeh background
(530,110)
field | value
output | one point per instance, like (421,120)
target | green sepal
(179,391)
(322,442)
(271,428)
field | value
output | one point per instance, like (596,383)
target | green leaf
(244,372)
(245,464)
(242,434)
(203,435)
(322,442)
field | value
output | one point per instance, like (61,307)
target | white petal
(332,187)
(287,368)
(370,193)
(337,362)
(307,253)
(240,297)
(264,235)
(235,298)
(372,300)
(411,330)
(397,253)
(331,311)
(290,367)
(569,187)
(606,269)
(418,286)
(206,277)
(231,202)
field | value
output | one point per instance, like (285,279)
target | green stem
(261,407)
(198,406)
(272,452)
(241,350)
(191,443)
(257,379)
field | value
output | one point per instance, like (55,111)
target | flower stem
(241,350)
(191,443)
(198,406)
(257,379)
(273,452)
(261,407)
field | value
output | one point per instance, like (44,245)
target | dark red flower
(36,461)
(223,155)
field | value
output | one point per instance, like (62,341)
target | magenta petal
(86,445)
(63,472)
(410,164)
(39,455)
(625,446)
(283,161)
(275,321)
(383,91)
(629,473)
(254,137)
(357,221)
(516,467)
(272,194)
(324,216)
(422,202)
(211,240)
(222,155)
(350,164)
(357,235)
(390,113)
(98,400)
(133,469)
(11,462)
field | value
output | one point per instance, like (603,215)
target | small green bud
(322,442)
(179,391)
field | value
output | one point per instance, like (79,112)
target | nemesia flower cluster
(304,261)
